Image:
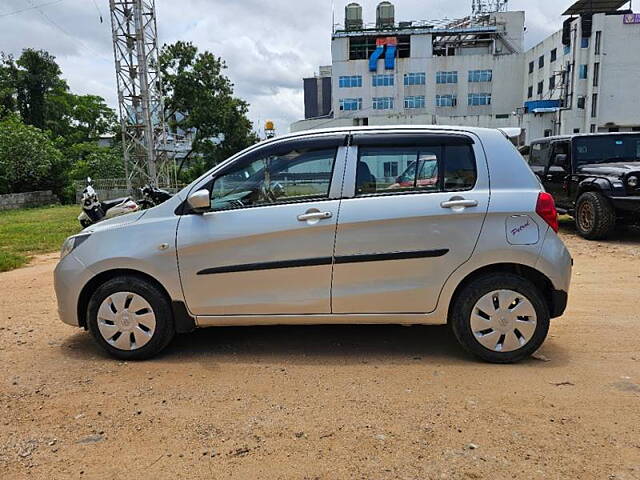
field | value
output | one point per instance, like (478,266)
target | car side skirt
(319,319)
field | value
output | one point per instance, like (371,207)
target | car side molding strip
(314,262)
(383,257)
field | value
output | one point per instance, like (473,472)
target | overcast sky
(269,46)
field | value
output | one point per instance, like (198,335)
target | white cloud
(268,46)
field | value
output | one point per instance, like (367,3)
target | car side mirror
(200,201)
(561,160)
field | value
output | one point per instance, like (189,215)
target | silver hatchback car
(402,225)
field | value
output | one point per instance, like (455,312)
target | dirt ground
(361,402)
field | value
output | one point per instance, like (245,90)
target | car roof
(387,128)
(581,135)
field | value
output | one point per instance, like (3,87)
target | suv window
(539,154)
(298,175)
(424,169)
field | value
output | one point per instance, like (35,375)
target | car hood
(116,222)
(612,169)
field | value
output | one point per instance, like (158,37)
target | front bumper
(629,205)
(69,277)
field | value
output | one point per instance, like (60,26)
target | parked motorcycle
(93,210)
(152,196)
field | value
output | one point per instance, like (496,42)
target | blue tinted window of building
(348,104)
(382,103)
(446,100)
(350,81)
(478,99)
(476,76)
(447,77)
(385,80)
(415,78)
(585,42)
(583,72)
(414,102)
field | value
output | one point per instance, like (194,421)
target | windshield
(607,148)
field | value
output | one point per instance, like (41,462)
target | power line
(49,18)
(99,11)
(55,24)
(33,7)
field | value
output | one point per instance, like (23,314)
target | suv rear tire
(595,217)
(131,318)
(500,318)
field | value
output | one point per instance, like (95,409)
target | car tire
(595,216)
(503,337)
(131,318)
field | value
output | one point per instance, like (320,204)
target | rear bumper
(559,299)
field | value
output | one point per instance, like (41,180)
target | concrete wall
(14,201)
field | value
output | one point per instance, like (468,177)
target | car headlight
(71,243)
(632,181)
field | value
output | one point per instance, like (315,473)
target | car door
(557,176)
(266,245)
(398,240)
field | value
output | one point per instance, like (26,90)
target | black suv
(595,178)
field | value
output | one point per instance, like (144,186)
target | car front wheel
(130,318)
(500,318)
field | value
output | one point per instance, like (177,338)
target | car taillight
(546,208)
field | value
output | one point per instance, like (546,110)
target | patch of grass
(24,233)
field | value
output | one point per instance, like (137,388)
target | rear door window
(419,167)
(439,166)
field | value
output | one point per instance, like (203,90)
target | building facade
(583,78)
(476,72)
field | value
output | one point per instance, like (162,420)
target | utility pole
(141,104)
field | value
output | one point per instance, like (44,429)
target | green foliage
(32,88)
(94,161)
(32,78)
(28,158)
(199,99)
(28,232)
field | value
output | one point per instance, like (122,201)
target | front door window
(297,175)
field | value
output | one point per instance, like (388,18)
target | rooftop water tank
(385,15)
(353,17)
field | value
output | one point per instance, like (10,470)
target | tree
(79,118)
(28,159)
(33,87)
(94,161)
(199,99)
(34,75)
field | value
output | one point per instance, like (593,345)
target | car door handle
(459,203)
(314,216)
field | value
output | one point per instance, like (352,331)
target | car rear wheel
(130,318)
(500,318)
(595,217)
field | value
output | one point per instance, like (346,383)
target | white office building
(475,72)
